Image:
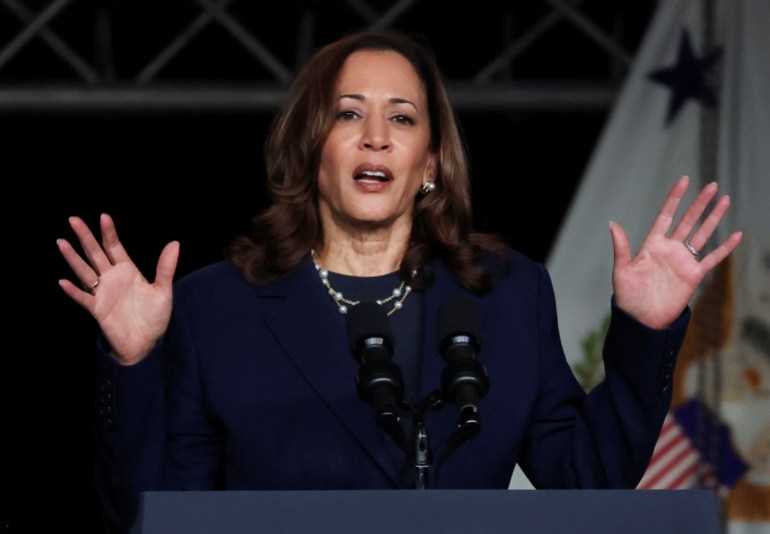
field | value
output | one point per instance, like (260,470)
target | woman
(250,375)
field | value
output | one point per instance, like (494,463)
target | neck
(364,254)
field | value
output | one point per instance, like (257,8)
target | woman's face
(377,153)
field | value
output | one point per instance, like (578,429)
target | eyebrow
(393,100)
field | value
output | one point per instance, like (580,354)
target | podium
(429,511)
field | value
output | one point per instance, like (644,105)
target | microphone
(378,380)
(464,380)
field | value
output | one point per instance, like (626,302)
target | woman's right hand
(132,313)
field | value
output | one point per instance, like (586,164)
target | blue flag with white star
(696,102)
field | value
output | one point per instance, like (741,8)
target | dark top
(251,388)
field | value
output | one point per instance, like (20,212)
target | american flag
(675,460)
(694,450)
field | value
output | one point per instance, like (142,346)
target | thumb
(164,272)
(620,245)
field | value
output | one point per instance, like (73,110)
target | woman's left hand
(656,285)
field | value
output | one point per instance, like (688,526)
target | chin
(373,218)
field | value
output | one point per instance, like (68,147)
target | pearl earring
(427,187)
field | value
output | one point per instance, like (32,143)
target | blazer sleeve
(605,438)
(130,432)
(146,437)
(139,447)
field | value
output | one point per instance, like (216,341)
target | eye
(347,115)
(403,119)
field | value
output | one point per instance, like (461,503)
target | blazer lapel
(312,333)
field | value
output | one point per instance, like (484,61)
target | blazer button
(108,423)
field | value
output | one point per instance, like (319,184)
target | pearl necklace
(398,295)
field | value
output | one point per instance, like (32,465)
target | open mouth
(371,173)
(372,176)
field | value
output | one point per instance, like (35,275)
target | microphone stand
(422,455)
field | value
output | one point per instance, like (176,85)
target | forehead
(380,70)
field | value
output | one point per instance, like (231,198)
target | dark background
(197,178)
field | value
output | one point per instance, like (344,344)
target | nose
(375,134)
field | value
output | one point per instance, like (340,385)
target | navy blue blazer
(253,388)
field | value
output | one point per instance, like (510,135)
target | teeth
(379,176)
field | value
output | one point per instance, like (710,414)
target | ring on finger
(691,248)
(90,288)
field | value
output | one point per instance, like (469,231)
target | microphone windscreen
(458,316)
(365,320)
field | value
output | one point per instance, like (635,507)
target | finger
(83,298)
(668,211)
(713,258)
(83,270)
(693,213)
(113,248)
(620,245)
(164,272)
(91,247)
(710,223)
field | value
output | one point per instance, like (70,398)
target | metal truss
(223,56)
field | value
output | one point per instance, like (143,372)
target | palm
(131,312)
(656,285)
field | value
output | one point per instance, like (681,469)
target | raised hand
(656,285)
(132,312)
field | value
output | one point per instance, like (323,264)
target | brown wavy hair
(285,232)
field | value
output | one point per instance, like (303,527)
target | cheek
(326,177)
(329,166)
(335,153)
(420,165)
